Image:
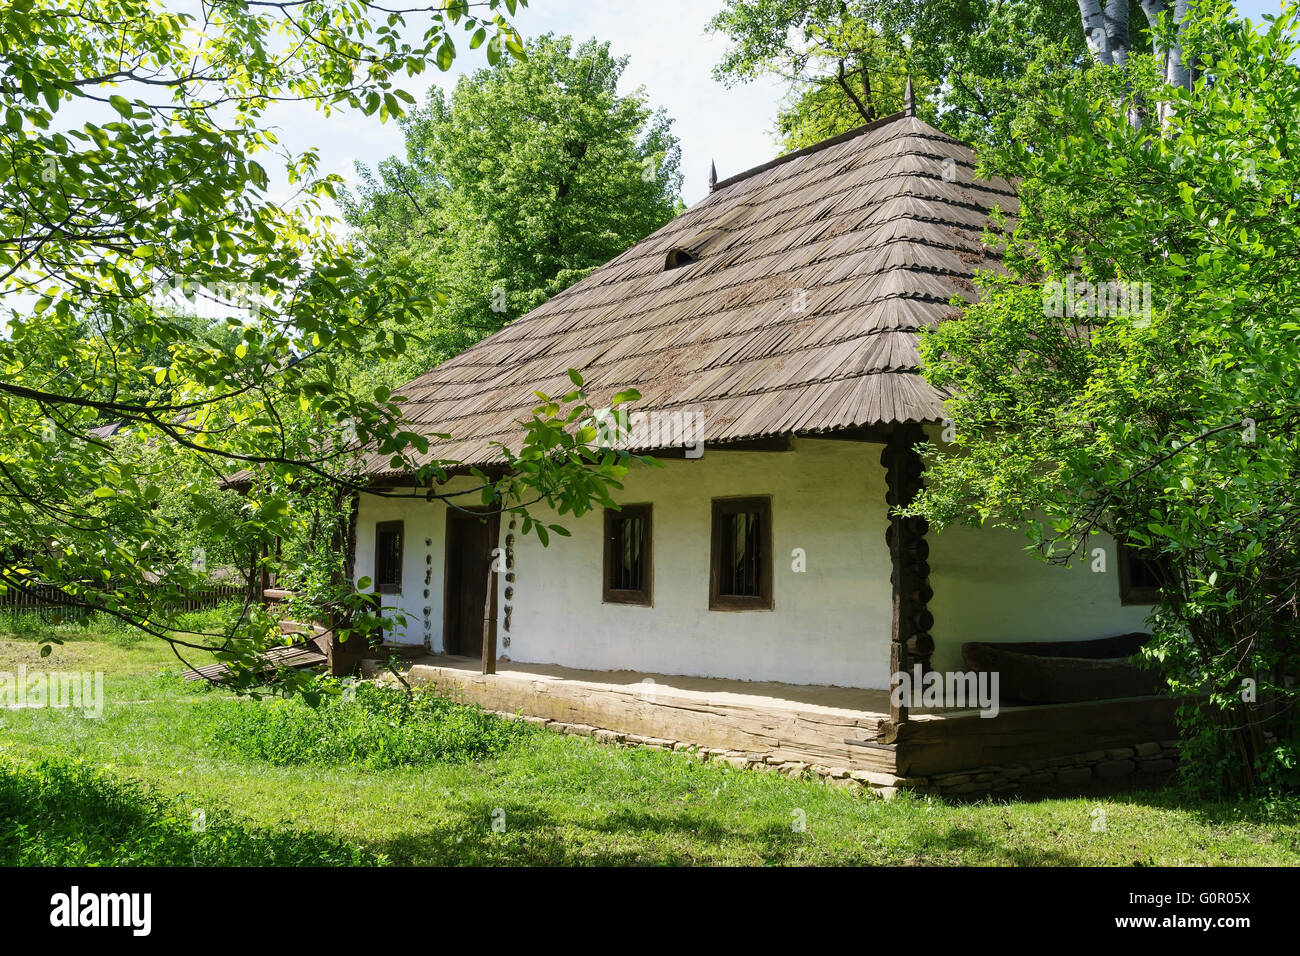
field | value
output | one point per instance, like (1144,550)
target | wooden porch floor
(874,703)
(794,725)
(785,723)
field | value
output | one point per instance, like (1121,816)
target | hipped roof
(872,233)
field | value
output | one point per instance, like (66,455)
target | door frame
(493,522)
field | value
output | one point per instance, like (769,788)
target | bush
(364,725)
(73,624)
(64,812)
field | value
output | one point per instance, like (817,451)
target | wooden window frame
(380,528)
(763,601)
(643,597)
(1131,594)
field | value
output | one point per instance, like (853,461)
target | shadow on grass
(527,835)
(68,813)
(1278,810)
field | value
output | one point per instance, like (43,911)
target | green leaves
(446,54)
(1174,429)
(173,323)
(510,189)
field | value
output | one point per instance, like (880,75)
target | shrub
(364,725)
(64,812)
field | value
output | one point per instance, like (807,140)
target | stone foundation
(1070,773)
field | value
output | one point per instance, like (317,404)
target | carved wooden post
(910,620)
(490,600)
(490,620)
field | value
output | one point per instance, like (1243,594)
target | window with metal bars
(629,570)
(388,557)
(740,576)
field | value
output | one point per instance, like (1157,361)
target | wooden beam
(264,575)
(773,443)
(490,601)
(1018,734)
(345,656)
(787,730)
(910,621)
(876,434)
(776,443)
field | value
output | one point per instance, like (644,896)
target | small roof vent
(679,257)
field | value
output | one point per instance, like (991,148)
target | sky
(670,56)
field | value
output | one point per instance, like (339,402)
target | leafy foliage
(521,181)
(1174,428)
(64,812)
(364,725)
(847,62)
(155,282)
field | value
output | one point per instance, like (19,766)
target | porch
(837,732)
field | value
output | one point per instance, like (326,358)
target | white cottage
(780,316)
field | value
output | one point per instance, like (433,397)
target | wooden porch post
(490,601)
(910,619)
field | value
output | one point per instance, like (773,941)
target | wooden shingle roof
(798,314)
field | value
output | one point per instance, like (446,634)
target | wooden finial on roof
(909,99)
(713,175)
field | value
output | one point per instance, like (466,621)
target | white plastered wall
(424,547)
(988,588)
(829,624)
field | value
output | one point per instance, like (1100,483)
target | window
(628,568)
(1140,574)
(388,557)
(740,575)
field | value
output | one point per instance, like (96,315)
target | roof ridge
(809,150)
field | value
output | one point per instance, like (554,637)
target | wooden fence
(46,600)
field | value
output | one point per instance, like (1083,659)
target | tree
(1107,28)
(842,67)
(131,172)
(1135,372)
(1106,25)
(847,61)
(529,175)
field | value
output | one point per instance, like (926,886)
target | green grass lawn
(559,800)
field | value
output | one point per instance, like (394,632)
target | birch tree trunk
(1178,72)
(1152,10)
(1106,28)
(1175,69)
(1117,34)
(1094,30)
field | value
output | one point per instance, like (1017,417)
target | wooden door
(470,540)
